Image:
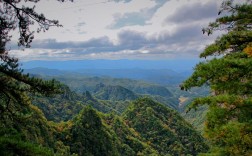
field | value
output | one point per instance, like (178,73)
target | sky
(122,29)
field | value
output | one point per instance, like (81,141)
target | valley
(120,116)
(102,115)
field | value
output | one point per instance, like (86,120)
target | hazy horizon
(180,65)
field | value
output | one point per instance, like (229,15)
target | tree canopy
(15,14)
(15,86)
(228,72)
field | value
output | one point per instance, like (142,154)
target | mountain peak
(163,128)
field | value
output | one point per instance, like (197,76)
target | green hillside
(97,134)
(65,106)
(29,136)
(115,93)
(80,83)
(146,128)
(100,116)
(164,129)
(132,88)
(61,107)
(106,95)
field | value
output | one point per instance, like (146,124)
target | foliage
(228,125)
(115,93)
(61,107)
(65,106)
(22,18)
(9,147)
(81,83)
(14,84)
(133,88)
(117,107)
(129,141)
(29,136)
(17,114)
(90,137)
(94,133)
(163,128)
(196,117)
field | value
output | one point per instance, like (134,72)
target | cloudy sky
(123,29)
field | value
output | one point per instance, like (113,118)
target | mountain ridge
(175,64)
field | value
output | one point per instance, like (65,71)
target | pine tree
(16,86)
(228,72)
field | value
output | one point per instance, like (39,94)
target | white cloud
(149,29)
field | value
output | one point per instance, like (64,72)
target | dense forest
(63,115)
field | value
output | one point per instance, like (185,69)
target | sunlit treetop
(229,76)
(236,19)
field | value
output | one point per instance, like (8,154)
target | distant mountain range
(158,71)
(159,76)
(179,65)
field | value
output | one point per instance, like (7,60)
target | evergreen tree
(15,86)
(229,74)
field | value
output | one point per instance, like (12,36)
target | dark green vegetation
(86,131)
(113,94)
(94,133)
(144,128)
(168,94)
(20,133)
(164,128)
(228,121)
(195,117)
(61,107)
(103,93)
(90,132)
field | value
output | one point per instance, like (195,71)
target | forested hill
(102,116)
(113,89)
(113,94)
(104,98)
(165,130)
(97,116)
(145,128)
